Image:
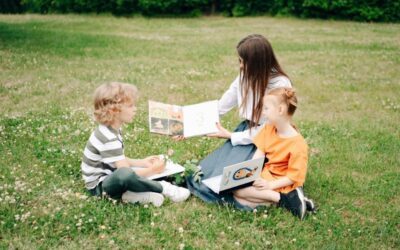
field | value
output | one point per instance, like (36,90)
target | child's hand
(262,184)
(149,161)
(158,166)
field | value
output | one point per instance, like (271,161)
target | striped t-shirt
(104,147)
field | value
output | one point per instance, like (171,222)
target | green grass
(347,77)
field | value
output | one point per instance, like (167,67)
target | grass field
(347,77)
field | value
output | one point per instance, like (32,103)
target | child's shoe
(294,202)
(175,193)
(310,205)
(156,199)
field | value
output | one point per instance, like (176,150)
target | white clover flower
(180,230)
(181,246)
(237,243)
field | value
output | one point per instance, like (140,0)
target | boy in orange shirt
(287,152)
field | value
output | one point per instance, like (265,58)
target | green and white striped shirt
(104,147)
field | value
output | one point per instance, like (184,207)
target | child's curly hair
(109,98)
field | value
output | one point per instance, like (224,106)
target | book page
(170,169)
(200,119)
(165,118)
(242,173)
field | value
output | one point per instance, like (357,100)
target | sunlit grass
(346,75)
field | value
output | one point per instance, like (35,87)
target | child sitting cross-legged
(280,142)
(106,169)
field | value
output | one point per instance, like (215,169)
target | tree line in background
(358,10)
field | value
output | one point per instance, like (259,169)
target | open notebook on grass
(170,169)
(191,120)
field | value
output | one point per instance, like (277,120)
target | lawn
(347,77)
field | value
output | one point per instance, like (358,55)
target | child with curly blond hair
(106,169)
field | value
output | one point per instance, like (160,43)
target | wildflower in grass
(237,243)
(180,230)
(25,216)
(181,246)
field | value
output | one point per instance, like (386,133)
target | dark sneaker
(310,205)
(294,202)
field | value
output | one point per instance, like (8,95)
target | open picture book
(236,175)
(191,120)
(170,169)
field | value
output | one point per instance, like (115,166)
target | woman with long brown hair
(259,71)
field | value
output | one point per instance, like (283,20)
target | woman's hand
(178,138)
(262,184)
(222,132)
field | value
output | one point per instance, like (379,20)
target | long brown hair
(260,65)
